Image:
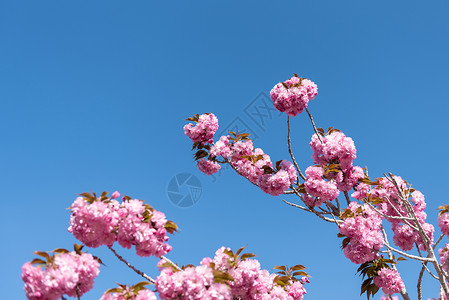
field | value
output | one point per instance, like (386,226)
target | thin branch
(313,211)
(330,210)
(132,267)
(408,255)
(439,240)
(421,273)
(314,127)
(425,264)
(384,215)
(77,289)
(348,200)
(338,204)
(172,263)
(291,152)
(296,205)
(424,237)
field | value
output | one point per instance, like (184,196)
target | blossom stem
(151,280)
(291,152)
(172,263)
(314,127)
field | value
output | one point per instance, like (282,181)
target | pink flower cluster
(333,148)
(130,294)
(191,283)
(208,167)
(334,173)
(240,151)
(248,282)
(389,281)
(95,223)
(275,184)
(249,163)
(293,95)
(363,227)
(404,236)
(103,221)
(63,276)
(204,130)
(319,188)
(444,256)
(443,223)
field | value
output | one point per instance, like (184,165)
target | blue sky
(94,95)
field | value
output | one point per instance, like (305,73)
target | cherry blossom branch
(384,215)
(408,255)
(338,204)
(132,267)
(421,273)
(291,152)
(314,127)
(424,238)
(311,210)
(77,289)
(330,210)
(425,264)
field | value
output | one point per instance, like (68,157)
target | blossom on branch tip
(204,129)
(293,95)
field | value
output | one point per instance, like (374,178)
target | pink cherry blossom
(293,95)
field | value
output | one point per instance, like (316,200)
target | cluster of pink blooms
(389,280)
(204,130)
(443,223)
(242,155)
(275,184)
(333,148)
(191,283)
(293,95)
(130,294)
(444,256)
(67,273)
(319,188)
(364,230)
(208,167)
(249,281)
(103,221)
(404,236)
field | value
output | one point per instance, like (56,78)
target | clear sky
(93,96)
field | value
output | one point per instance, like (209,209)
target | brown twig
(172,263)
(314,127)
(132,267)
(291,152)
